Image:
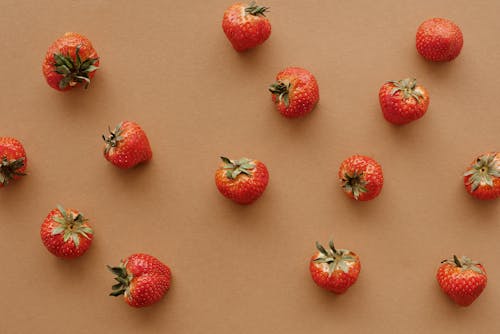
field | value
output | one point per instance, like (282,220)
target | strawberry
(142,280)
(12,160)
(482,178)
(66,233)
(334,269)
(127,145)
(361,177)
(439,39)
(462,280)
(403,101)
(295,92)
(242,180)
(246,25)
(69,61)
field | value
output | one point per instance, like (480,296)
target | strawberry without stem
(12,160)
(246,25)
(482,178)
(295,92)
(334,269)
(70,60)
(361,177)
(439,39)
(142,280)
(403,101)
(66,233)
(243,180)
(463,280)
(127,145)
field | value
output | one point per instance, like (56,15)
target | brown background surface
(168,66)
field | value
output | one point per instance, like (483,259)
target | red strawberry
(403,101)
(127,145)
(246,25)
(482,178)
(361,177)
(462,280)
(66,233)
(295,92)
(439,39)
(242,180)
(142,280)
(69,61)
(334,269)
(12,160)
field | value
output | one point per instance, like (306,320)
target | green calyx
(255,10)
(113,138)
(354,183)
(334,258)
(281,90)
(234,168)
(71,226)
(483,171)
(407,87)
(123,278)
(464,264)
(9,169)
(74,71)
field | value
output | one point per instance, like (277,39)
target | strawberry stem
(74,71)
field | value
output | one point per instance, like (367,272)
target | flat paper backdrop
(168,66)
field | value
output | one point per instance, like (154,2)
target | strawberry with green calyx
(243,180)
(69,61)
(361,177)
(403,101)
(66,233)
(295,92)
(463,280)
(334,269)
(12,160)
(246,25)
(142,280)
(127,145)
(482,178)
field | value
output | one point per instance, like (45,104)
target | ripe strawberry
(242,180)
(70,60)
(439,39)
(246,26)
(334,269)
(295,92)
(127,145)
(66,233)
(12,160)
(462,280)
(142,280)
(403,101)
(482,178)
(361,177)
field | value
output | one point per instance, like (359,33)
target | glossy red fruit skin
(63,45)
(12,149)
(372,174)
(244,30)
(339,281)
(399,110)
(55,243)
(303,94)
(462,287)
(439,40)
(132,150)
(484,192)
(151,280)
(244,189)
